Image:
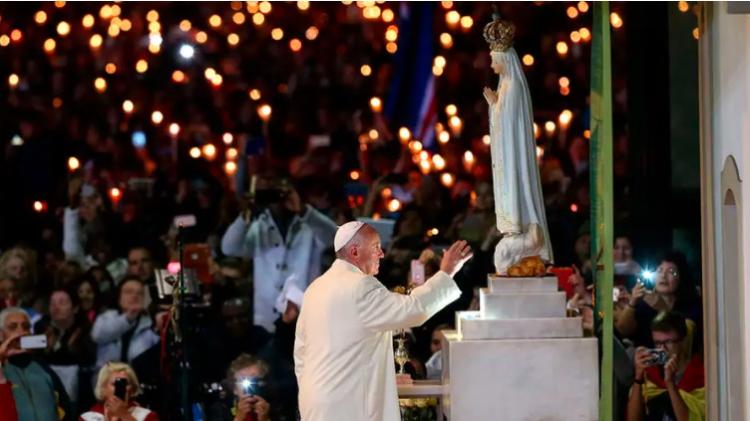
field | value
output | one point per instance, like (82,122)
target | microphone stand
(181,331)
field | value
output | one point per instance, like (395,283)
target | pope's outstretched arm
(380,309)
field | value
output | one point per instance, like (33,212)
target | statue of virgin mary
(519,205)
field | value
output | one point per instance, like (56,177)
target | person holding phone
(116,386)
(671,289)
(672,387)
(37,391)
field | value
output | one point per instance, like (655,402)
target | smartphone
(197,256)
(34,342)
(417,272)
(121,386)
(185,221)
(251,385)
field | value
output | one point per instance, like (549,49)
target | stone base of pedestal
(520,379)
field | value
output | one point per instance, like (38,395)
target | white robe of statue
(515,173)
(343,348)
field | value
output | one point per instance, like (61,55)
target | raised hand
(455,257)
(639,291)
(670,369)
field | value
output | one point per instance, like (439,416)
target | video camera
(270,191)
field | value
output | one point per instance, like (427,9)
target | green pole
(601,199)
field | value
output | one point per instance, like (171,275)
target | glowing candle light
(227,138)
(446,40)
(195,152)
(141,66)
(209,151)
(40,17)
(447,179)
(128,106)
(87,21)
(404,134)
(549,127)
(438,162)
(49,45)
(376,104)
(73,164)
(95,41)
(615,20)
(264,112)
(115,194)
(295,45)
(100,84)
(63,28)
(157,117)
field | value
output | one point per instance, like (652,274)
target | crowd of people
(91,188)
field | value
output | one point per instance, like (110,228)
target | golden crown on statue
(499,33)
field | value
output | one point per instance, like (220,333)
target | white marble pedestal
(519,358)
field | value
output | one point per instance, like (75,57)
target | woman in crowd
(88,295)
(113,407)
(19,264)
(671,290)
(623,257)
(124,333)
(69,345)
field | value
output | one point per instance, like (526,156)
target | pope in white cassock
(343,350)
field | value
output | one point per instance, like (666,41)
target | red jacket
(7,403)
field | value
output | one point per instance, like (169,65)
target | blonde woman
(19,264)
(117,379)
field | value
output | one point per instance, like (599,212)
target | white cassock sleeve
(299,348)
(382,310)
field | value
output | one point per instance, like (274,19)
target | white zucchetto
(345,233)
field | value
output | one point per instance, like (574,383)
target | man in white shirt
(285,242)
(343,350)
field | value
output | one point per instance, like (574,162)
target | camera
(251,385)
(647,279)
(658,357)
(121,386)
(264,191)
(265,197)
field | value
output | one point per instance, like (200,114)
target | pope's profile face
(371,253)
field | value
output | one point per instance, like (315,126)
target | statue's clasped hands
(490,95)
